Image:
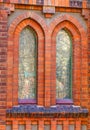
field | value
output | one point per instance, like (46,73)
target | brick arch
(28,15)
(80,69)
(69,27)
(13,42)
(73,21)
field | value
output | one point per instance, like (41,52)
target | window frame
(79,38)
(13,49)
(75,40)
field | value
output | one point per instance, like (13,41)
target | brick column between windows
(78,125)
(66,125)
(47,70)
(28,125)
(15,125)
(41,125)
(53,125)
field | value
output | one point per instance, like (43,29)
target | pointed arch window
(27,64)
(63,65)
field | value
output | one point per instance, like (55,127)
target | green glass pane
(63,65)
(27,64)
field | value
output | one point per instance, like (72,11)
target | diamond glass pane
(63,65)
(27,64)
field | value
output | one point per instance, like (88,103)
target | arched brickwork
(79,61)
(29,15)
(15,28)
(46,55)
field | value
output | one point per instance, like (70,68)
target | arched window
(63,65)
(27,64)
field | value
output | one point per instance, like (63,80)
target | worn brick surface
(3,67)
(46,26)
(89,66)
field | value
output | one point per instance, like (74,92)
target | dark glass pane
(27,64)
(59,127)
(21,127)
(71,127)
(34,127)
(47,127)
(84,127)
(40,2)
(63,65)
(8,127)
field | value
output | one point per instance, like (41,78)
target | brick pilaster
(15,125)
(53,125)
(28,125)
(47,70)
(41,125)
(89,66)
(3,66)
(66,125)
(78,125)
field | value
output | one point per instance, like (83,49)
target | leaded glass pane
(47,127)
(8,127)
(59,127)
(21,127)
(71,127)
(34,127)
(63,65)
(83,127)
(27,64)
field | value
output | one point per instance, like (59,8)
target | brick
(46,81)
(3,52)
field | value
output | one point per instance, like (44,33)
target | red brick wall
(46,79)
(77,58)
(12,99)
(48,123)
(46,66)
(3,66)
(89,66)
(34,2)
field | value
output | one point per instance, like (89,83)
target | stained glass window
(27,64)
(63,65)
